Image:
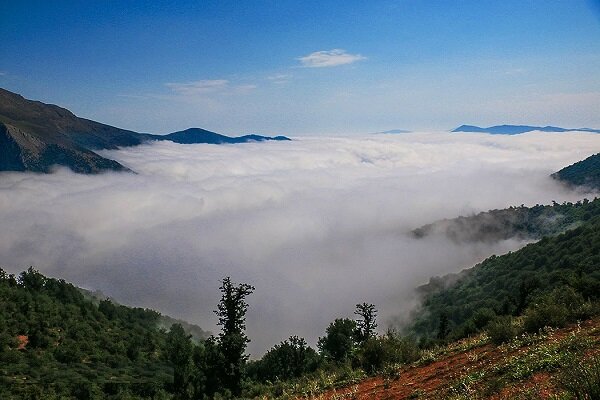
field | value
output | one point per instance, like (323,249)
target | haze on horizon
(307,68)
(317,225)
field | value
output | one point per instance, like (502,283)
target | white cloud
(329,58)
(316,224)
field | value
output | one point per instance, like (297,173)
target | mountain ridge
(199,135)
(36,137)
(518,129)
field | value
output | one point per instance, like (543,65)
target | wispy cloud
(329,58)
(198,87)
(279,78)
(3,73)
(244,88)
(209,86)
(515,71)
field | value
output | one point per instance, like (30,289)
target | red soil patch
(433,381)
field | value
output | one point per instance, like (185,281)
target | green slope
(508,284)
(55,343)
(582,173)
(513,223)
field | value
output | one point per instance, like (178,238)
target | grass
(582,379)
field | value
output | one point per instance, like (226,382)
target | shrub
(406,350)
(391,349)
(290,359)
(502,329)
(482,317)
(542,315)
(556,309)
(374,354)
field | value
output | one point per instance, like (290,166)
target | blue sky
(307,67)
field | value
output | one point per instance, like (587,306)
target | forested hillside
(582,173)
(523,223)
(54,343)
(556,276)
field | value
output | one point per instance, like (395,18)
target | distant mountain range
(518,129)
(198,135)
(35,136)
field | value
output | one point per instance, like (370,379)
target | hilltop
(494,343)
(582,173)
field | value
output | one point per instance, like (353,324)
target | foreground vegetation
(550,364)
(493,331)
(55,343)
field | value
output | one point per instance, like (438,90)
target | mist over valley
(316,224)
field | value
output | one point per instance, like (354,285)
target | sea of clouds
(317,225)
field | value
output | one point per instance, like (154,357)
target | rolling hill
(582,173)
(521,223)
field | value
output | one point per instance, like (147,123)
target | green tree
(289,359)
(32,279)
(443,326)
(179,352)
(339,340)
(208,361)
(365,325)
(231,311)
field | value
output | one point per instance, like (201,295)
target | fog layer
(316,225)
